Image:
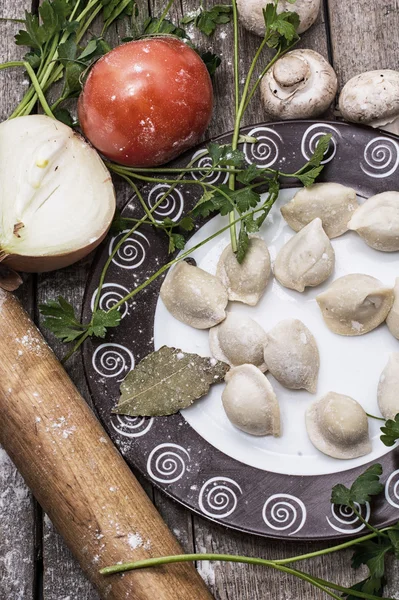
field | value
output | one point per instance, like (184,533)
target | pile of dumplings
(353,305)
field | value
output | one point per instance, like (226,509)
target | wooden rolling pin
(76,474)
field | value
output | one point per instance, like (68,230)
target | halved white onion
(57,199)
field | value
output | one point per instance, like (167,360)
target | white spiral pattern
(171,207)
(131,427)
(113,360)
(167,463)
(284,511)
(392,489)
(312,136)
(381,158)
(266,151)
(218,497)
(133,251)
(205,161)
(111,294)
(343,518)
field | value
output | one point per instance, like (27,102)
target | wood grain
(364,35)
(17,507)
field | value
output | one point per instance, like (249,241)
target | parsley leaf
(207,20)
(372,553)
(186,223)
(309,172)
(322,147)
(281,28)
(151,25)
(374,587)
(61,320)
(176,242)
(249,174)
(308,178)
(224,155)
(362,489)
(390,431)
(212,62)
(242,246)
(102,321)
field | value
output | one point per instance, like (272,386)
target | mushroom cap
(337,426)
(371,98)
(301,85)
(251,15)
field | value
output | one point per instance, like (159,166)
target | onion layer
(57,200)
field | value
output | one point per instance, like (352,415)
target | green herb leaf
(63,115)
(244,199)
(372,553)
(34,35)
(33,59)
(167,381)
(251,173)
(393,535)
(207,20)
(176,241)
(224,155)
(61,320)
(243,243)
(151,26)
(390,431)
(374,587)
(212,62)
(363,488)
(323,145)
(309,177)
(102,321)
(186,223)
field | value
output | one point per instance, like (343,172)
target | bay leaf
(167,381)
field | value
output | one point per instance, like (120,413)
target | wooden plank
(365,38)
(17,507)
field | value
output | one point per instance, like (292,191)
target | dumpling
(388,388)
(291,355)
(355,304)
(337,425)
(307,259)
(333,203)
(238,340)
(377,221)
(247,281)
(194,296)
(250,402)
(393,316)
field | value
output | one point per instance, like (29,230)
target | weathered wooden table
(355,36)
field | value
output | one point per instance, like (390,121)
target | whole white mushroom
(251,13)
(301,85)
(372,98)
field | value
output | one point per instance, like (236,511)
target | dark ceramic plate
(169,451)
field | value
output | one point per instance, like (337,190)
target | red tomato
(146,102)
